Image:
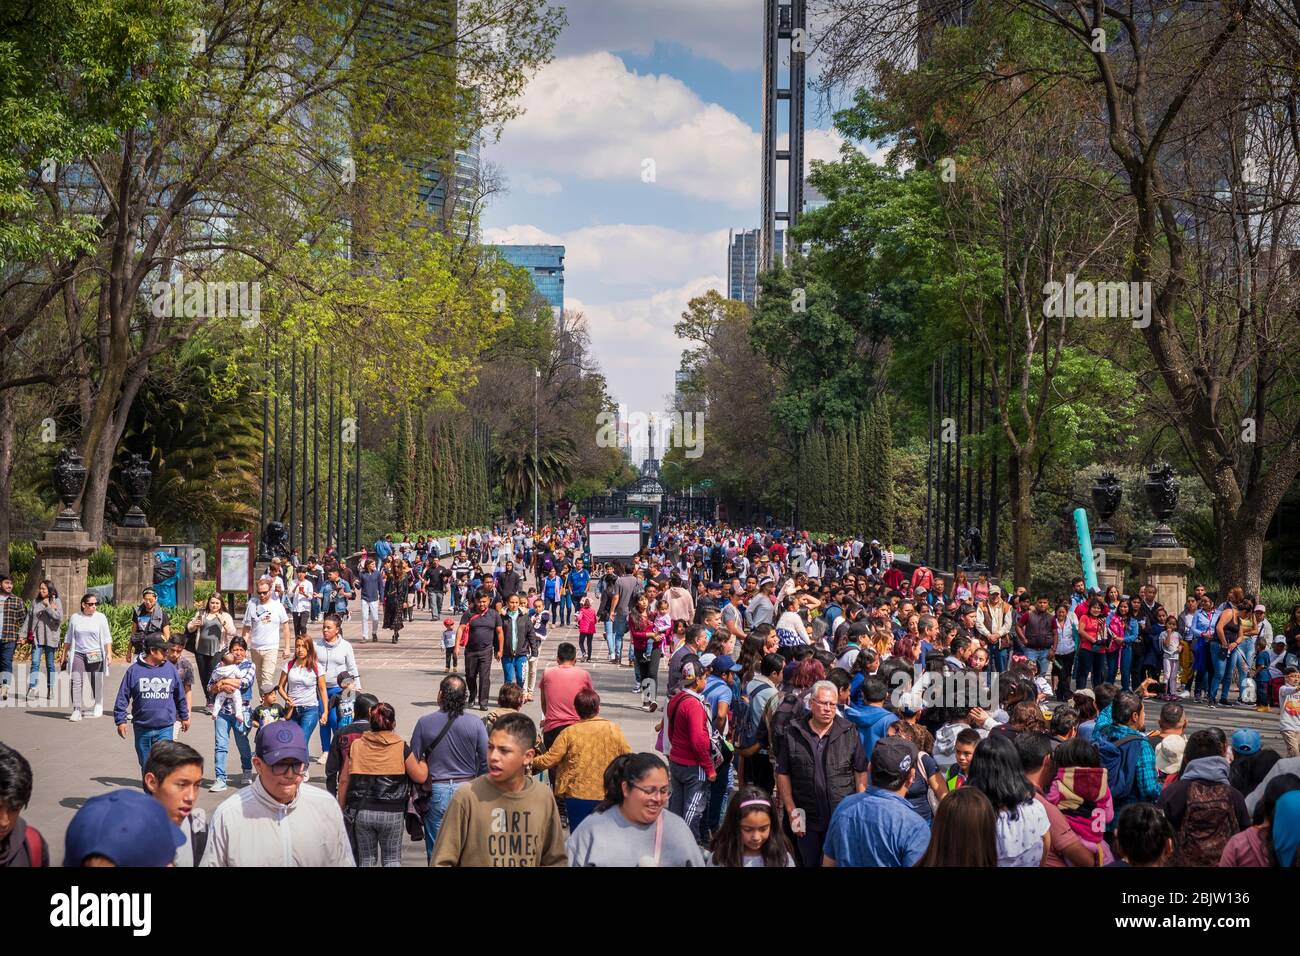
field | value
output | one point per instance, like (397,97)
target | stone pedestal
(133,550)
(1166,570)
(1116,568)
(65,560)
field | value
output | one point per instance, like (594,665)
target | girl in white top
(90,644)
(302,684)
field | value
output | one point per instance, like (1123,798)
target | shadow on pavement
(118,782)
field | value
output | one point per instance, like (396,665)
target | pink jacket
(586,621)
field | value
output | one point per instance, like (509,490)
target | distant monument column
(1162,563)
(66,548)
(1106,496)
(134,542)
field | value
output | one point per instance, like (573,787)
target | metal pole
(537,377)
(947,470)
(929,463)
(983,453)
(302,510)
(275,495)
(356,529)
(266,413)
(329,463)
(293,444)
(315,449)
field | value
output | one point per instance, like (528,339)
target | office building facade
(545,265)
(743,257)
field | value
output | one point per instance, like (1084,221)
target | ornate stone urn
(69,479)
(1162,496)
(136,480)
(1106,496)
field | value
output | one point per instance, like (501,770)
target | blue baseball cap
(1246,742)
(281,740)
(128,827)
(723,662)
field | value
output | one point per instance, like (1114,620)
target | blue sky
(673,81)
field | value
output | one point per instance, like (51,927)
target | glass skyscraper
(742,263)
(546,266)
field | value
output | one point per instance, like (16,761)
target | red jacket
(688,731)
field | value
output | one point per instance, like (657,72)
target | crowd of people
(815,704)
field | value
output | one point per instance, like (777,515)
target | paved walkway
(74,761)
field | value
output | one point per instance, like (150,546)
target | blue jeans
(7,649)
(1001,658)
(515,669)
(307,718)
(620,631)
(1083,667)
(1042,659)
(1225,665)
(609,641)
(566,609)
(578,810)
(439,801)
(48,653)
(1104,667)
(1218,663)
(1126,668)
(145,737)
(331,722)
(222,726)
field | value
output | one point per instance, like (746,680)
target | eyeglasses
(661,792)
(289,769)
(90,603)
(263,593)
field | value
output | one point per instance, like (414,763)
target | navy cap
(126,826)
(893,755)
(714,585)
(723,662)
(281,740)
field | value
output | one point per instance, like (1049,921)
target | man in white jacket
(278,821)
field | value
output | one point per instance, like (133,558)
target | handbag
(417,803)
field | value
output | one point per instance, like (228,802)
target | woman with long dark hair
(1022,825)
(749,835)
(302,684)
(1292,634)
(42,629)
(964,831)
(212,628)
(633,826)
(1253,846)
(395,592)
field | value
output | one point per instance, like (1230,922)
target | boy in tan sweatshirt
(504,818)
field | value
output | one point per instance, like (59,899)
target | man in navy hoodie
(153,688)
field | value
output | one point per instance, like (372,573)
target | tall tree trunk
(1241,556)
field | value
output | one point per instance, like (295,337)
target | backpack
(36,847)
(779,717)
(753,728)
(1208,822)
(718,748)
(1120,758)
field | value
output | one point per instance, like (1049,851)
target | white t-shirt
(301,685)
(301,602)
(264,621)
(1020,841)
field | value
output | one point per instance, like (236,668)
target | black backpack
(779,717)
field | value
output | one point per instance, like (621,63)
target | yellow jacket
(580,755)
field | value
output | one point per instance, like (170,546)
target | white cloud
(603,263)
(590,117)
(537,185)
(634,343)
(728,31)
